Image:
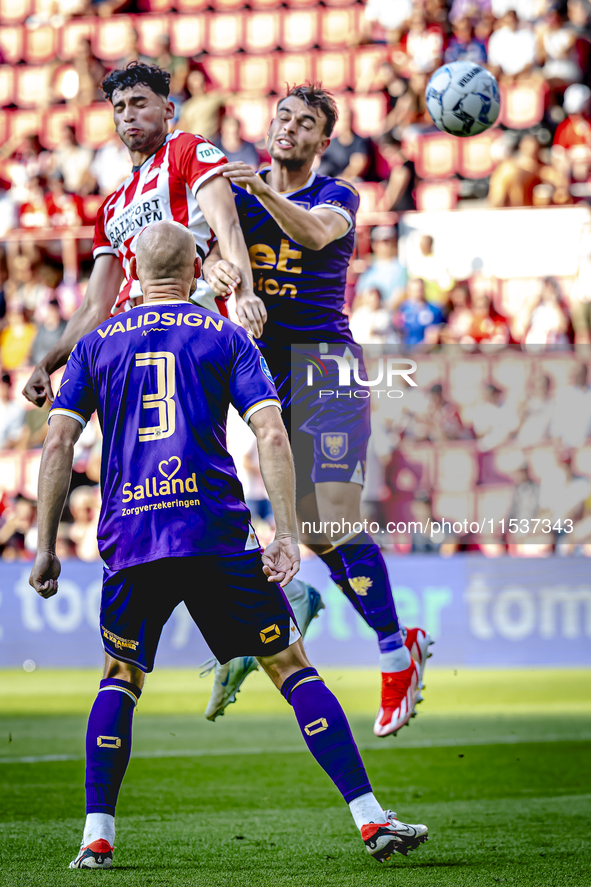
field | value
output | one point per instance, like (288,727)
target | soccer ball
(463,99)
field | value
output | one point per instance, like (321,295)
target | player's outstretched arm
(281,558)
(100,296)
(219,208)
(313,229)
(54,481)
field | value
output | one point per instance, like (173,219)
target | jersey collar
(306,184)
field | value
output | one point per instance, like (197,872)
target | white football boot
(382,839)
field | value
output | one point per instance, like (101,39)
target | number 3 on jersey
(162,399)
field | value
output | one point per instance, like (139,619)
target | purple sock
(326,732)
(108,743)
(364,579)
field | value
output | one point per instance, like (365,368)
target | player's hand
(281,561)
(223,277)
(38,387)
(44,574)
(252,314)
(243,174)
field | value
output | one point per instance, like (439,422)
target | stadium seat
(150,28)
(221,70)
(338,27)
(95,125)
(155,6)
(91,205)
(14,11)
(72,33)
(436,156)
(227,5)
(512,373)
(263,4)
(437,196)
(333,69)
(225,32)
(40,44)
(454,506)
(293,67)
(370,194)
(493,502)
(253,113)
(54,120)
(522,104)
(370,111)
(474,160)
(456,467)
(111,36)
(465,380)
(6,85)
(4,125)
(24,123)
(187,34)
(192,5)
(365,62)
(12,43)
(11,472)
(32,88)
(30,476)
(300,29)
(262,31)
(256,73)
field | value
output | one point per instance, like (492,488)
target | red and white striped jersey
(164,187)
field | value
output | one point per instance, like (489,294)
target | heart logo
(165,462)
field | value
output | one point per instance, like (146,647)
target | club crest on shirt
(334,445)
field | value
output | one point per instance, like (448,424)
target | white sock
(366,809)
(395,660)
(97,826)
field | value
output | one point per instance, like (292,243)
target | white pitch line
(292,750)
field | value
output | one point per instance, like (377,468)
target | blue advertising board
(481,611)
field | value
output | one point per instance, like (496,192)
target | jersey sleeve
(101,245)
(342,198)
(196,160)
(251,382)
(75,396)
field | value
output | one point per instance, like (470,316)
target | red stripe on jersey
(222,307)
(152,177)
(130,191)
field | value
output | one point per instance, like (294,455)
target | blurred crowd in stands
(541,53)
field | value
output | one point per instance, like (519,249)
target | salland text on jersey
(171,481)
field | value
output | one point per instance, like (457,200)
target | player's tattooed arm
(313,229)
(55,474)
(101,293)
(281,558)
(219,208)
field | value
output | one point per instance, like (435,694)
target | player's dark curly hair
(135,73)
(314,96)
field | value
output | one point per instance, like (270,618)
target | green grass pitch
(498,764)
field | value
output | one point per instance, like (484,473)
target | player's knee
(286,663)
(123,671)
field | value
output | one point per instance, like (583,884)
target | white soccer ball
(463,98)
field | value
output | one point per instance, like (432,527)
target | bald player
(174,526)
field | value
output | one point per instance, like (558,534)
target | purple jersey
(303,289)
(161,379)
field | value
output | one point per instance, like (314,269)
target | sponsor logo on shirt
(159,486)
(207,153)
(265,369)
(132,220)
(167,319)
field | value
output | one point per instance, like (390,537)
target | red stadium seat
(96,125)
(337,2)
(522,104)
(365,62)
(474,161)
(156,6)
(254,113)
(225,33)
(6,85)
(370,112)
(54,121)
(293,68)
(436,156)
(11,473)
(370,194)
(454,506)
(227,5)
(301,4)
(30,476)
(300,29)
(191,5)
(91,205)
(256,73)
(456,467)
(187,34)
(333,70)
(263,4)
(338,26)
(14,11)
(111,37)
(40,44)
(25,123)
(72,33)
(12,43)
(4,125)
(262,31)
(437,196)
(33,86)
(221,70)
(150,28)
